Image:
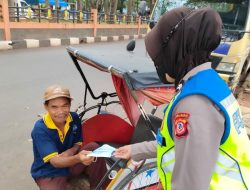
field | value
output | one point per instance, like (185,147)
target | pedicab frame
(132,89)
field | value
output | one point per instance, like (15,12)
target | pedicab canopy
(132,89)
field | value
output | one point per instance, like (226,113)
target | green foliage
(216,1)
(121,5)
(136,4)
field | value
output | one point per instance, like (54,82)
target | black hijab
(183,39)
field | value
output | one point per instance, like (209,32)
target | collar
(197,69)
(193,72)
(51,125)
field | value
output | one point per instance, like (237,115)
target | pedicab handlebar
(98,64)
(76,56)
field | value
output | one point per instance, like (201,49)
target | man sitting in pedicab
(57,140)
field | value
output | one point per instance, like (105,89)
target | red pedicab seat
(106,128)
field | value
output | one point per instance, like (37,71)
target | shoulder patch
(181,125)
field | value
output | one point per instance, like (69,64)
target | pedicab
(132,90)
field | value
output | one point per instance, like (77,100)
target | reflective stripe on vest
(227,167)
(224,166)
(168,161)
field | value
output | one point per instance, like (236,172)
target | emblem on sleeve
(181,125)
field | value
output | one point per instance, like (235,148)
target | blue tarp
(32,2)
(51,2)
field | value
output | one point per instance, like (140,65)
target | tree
(106,7)
(216,1)
(79,5)
(151,4)
(121,5)
(113,5)
(93,5)
(99,5)
(47,3)
(130,7)
(56,4)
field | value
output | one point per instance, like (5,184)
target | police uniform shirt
(196,153)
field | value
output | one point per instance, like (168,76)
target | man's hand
(66,159)
(86,160)
(123,152)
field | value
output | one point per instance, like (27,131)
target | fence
(1,12)
(121,19)
(18,14)
(14,19)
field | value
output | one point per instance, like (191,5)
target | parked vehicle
(231,59)
(61,3)
(109,126)
(23,10)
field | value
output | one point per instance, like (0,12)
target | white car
(24,9)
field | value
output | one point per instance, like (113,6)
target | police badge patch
(181,125)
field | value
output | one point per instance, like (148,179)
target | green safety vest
(232,169)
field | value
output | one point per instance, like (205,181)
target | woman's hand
(123,152)
(86,160)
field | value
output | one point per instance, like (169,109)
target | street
(26,73)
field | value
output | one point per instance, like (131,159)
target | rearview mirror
(151,24)
(131,45)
